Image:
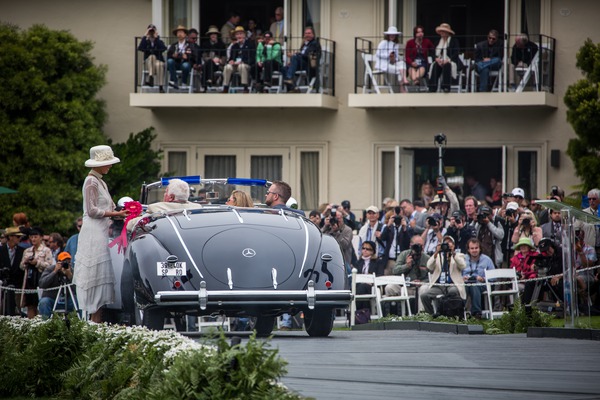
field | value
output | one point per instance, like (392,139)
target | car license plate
(171,269)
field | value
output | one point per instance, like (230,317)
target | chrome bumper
(217,298)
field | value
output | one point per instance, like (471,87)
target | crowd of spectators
(248,51)
(442,246)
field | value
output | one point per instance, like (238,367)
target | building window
(311,10)
(398,17)
(527,172)
(177,163)
(267,167)
(387,174)
(309,180)
(178,12)
(219,166)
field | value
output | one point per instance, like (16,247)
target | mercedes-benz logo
(248,252)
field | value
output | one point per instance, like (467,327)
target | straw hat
(180,28)
(445,28)
(101,156)
(392,30)
(213,29)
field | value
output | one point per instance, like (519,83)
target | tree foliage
(50,116)
(583,113)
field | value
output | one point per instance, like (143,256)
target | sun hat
(373,209)
(524,241)
(392,30)
(439,199)
(239,28)
(213,29)
(13,231)
(444,27)
(180,28)
(101,156)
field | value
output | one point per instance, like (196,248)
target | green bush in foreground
(517,320)
(75,359)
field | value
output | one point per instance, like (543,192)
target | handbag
(362,316)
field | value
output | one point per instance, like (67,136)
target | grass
(581,322)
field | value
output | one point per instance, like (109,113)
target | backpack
(451,306)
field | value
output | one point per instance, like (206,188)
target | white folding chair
(526,72)
(403,298)
(214,323)
(371,76)
(372,297)
(499,275)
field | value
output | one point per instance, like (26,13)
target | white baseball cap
(518,192)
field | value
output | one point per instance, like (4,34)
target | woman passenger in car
(239,198)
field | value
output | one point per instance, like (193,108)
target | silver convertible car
(239,262)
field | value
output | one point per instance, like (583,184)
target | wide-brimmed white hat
(392,30)
(445,28)
(101,156)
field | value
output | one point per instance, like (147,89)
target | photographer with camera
(547,263)
(476,265)
(396,236)
(490,235)
(54,278)
(460,231)
(527,228)
(35,260)
(432,236)
(413,264)
(553,228)
(446,271)
(154,61)
(509,219)
(371,229)
(334,225)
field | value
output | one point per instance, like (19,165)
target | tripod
(538,288)
(65,290)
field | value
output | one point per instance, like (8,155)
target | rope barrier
(30,291)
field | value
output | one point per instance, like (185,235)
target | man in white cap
(511,222)
(371,230)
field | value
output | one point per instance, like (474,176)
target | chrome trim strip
(274,277)
(237,214)
(229,280)
(184,245)
(305,247)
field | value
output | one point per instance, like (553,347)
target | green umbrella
(5,190)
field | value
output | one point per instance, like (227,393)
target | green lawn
(581,322)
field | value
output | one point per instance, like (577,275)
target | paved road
(352,365)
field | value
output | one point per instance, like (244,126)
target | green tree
(583,113)
(139,164)
(49,118)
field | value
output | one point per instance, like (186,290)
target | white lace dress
(94,275)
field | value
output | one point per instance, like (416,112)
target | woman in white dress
(94,275)
(388,58)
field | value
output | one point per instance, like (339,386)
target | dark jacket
(484,50)
(211,50)
(245,51)
(156,48)
(402,239)
(15,273)
(173,49)
(453,52)
(523,54)
(376,266)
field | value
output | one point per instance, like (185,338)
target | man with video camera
(53,278)
(446,271)
(413,264)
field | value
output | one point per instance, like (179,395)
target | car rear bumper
(204,299)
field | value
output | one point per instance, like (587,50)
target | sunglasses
(367,248)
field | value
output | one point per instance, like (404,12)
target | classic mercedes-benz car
(239,262)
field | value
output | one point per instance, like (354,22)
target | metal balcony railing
(207,71)
(537,74)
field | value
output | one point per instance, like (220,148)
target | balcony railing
(537,75)
(315,76)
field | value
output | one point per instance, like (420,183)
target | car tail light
(177,285)
(328,284)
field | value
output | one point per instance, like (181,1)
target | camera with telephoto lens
(554,191)
(431,221)
(526,222)
(416,250)
(481,217)
(397,220)
(65,264)
(333,215)
(510,212)
(445,247)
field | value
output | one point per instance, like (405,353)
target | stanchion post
(568,259)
